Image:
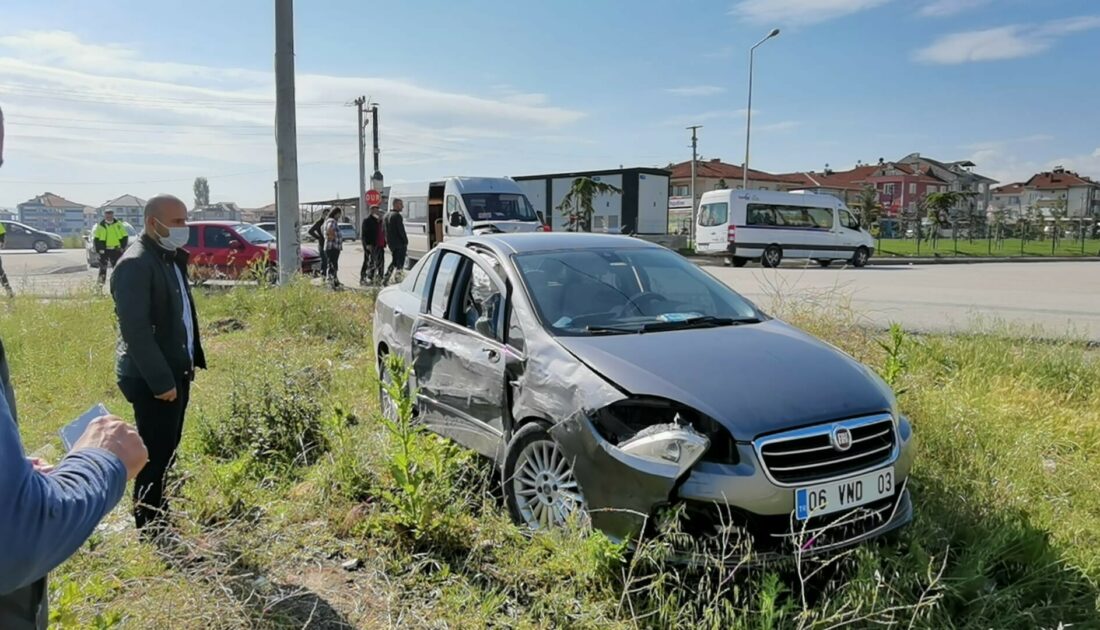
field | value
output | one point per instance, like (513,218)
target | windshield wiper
(706,321)
(613,330)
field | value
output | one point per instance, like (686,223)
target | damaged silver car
(611,379)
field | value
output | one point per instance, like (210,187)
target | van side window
(792,216)
(848,221)
(759,214)
(452,207)
(416,209)
(821,217)
(713,214)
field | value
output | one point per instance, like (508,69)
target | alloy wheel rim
(773,257)
(546,490)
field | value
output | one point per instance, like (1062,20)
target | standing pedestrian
(110,240)
(3,230)
(159,347)
(333,244)
(318,235)
(396,238)
(49,511)
(3,276)
(373,233)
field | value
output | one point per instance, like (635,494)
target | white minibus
(769,226)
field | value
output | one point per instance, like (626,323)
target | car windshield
(499,207)
(627,290)
(253,234)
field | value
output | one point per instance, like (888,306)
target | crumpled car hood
(754,379)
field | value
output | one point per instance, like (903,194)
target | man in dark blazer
(159,347)
(396,238)
(373,233)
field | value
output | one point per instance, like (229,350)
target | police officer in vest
(110,240)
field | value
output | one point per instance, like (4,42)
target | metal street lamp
(748,113)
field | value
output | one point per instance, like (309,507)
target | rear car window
(712,214)
(444,283)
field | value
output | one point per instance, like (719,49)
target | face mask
(177,236)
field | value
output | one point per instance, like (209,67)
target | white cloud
(799,11)
(1003,42)
(696,90)
(84,111)
(1004,162)
(944,8)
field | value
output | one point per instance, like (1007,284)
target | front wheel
(737,261)
(773,255)
(860,258)
(41,247)
(824,262)
(539,486)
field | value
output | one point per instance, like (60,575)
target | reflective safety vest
(111,235)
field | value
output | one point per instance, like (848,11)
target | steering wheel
(645,297)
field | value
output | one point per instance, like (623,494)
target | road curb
(945,260)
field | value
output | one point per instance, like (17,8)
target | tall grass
(287,472)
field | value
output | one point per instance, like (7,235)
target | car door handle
(398,312)
(423,343)
(492,354)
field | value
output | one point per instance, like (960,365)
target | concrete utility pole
(748,113)
(359,210)
(694,160)
(286,140)
(375,179)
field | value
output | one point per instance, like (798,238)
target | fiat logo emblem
(842,439)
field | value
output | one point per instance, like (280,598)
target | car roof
(221,223)
(531,242)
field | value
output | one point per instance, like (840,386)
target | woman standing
(333,244)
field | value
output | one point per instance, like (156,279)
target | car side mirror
(541,216)
(457,220)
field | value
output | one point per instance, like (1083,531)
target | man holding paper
(50,511)
(159,347)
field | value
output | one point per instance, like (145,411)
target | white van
(461,206)
(769,226)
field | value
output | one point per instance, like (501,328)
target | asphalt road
(1053,298)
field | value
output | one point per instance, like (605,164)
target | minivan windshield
(627,290)
(254,234)
(499,207)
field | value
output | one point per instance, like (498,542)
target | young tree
(202,192)
(1058,215)
(577,204)
(869,206)
(938,205)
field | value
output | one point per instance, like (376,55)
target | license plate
(843,494)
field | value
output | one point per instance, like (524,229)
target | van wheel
(860,258)
(773,255)
(824,262)
(737,261)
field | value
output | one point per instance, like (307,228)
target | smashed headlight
(668,444)
(634,418)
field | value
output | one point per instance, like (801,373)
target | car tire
(772,256)
(41,246)
(537,496)
(738,261)
(860,258)
(824,262)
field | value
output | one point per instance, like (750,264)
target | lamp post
(748,113)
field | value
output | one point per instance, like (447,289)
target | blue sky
(107,98)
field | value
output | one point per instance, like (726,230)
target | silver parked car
(610,378)
(22,236)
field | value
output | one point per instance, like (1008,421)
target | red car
(232,250)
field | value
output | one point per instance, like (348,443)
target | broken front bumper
(623,492)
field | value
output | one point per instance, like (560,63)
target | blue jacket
(44,519)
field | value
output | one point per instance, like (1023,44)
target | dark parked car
(20,236)
(609,377)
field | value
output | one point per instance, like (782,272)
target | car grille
(808,455)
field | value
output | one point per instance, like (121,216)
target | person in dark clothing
(159,347)
(332,246)
(373,233)
(318,235)
(396,238)
(49,511)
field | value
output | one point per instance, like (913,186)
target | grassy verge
(1010,247)
(300,507)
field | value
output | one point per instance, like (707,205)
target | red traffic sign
(374,198)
